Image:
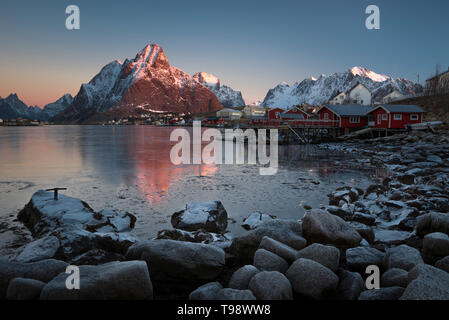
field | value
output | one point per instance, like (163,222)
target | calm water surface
(129,168)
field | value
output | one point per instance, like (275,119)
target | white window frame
(384,117)
(355,119)
(326,116)
(379,119)
(397,116)
(414,117)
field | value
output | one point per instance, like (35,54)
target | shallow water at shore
(128,168)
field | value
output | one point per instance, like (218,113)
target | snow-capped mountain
(318,91)
(12,108)
(145,82)
(226,95)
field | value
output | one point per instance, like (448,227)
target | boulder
(402,257)
(285,231)
(268,261)
(432,222)
(96,257)
(365,231)
(427,283)
(278,248)
(43,270)
(74,225)
(328,256)
(222,240)
(40,249)
(390,293)
(435,246)
(395,278)
(207,291)
(350,286)
(234,294)
(179,260)
(312,279)
(210,216)
(24,289)
(361,257)
(240,278)
(443,264)
(323,227)
(255,219)
(271,285)
(127,280)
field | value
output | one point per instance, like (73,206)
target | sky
(250,45)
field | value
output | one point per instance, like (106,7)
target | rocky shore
(400,224)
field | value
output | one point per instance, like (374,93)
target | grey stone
(443,264)
(24,289)
(268,261)
(361,257)
(43,270)
(311,278)
(432,222)
(234,294)
(271,285)
(255,219)
(282,250)
(390,293)
(178,259)
(40,249)
(285,231)
(436,245)
(427,283)
(127,280)
(240,278)
(328,256)
(322,227)
(207,291)
(402,257)
(350,286)
(395,277)
(210,216)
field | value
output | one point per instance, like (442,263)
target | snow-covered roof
(348,110)
(400,108)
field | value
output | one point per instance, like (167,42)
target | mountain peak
(150,55)
(364,72)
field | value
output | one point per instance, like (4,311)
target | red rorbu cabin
(275,114)
(348,116)
(294,113)
(395,116)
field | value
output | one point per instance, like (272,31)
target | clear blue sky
(250,45)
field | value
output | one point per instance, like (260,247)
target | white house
(254,111)
(340,98)
(359,94)
(392,96)
(229,113)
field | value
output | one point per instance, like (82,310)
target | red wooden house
(347,116)
(275,114)
(395,116)
(294,113)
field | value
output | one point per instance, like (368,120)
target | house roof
(285,115)
(400,108)
(357,85)
(348,110)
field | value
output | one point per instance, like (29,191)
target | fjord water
(128,168)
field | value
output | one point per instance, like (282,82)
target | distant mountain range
(226,95)
(12,108)
(148,83)
(320,90)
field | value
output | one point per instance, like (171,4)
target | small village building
(275,114)
(359,94)
(229,114)
(346,116)
(393,96)
(339,98)
(294,113)
(251,111)
(395,116)
(1,121)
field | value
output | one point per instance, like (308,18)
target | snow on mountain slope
(318,91)
(147,81)
(226,95)
(52,109)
